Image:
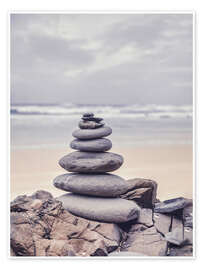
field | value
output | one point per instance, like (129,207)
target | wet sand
(169,165)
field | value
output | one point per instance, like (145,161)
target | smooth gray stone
(88,134)
(97,145)
(87,162)
(169,206)
(90,124)
(102,185)
(113,210)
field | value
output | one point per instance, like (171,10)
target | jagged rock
(24,203)
(145,217)
(175,237)
(101,185)
(145,240)
(42,195)
(164,222)
(188,214)
(181,251)
(52,231)
(87,162)
(97,145)
(113,210)
(143,191)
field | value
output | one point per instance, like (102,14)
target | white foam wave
(151,111)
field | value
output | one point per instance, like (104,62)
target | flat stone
(87,162)
(102,185)
(145,240)
(89,118)
(113,210)
(88,134)
(96,145)
(170,206)
(90,124)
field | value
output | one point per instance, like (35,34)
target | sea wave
(135,110)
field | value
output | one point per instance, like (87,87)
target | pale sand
(169,165)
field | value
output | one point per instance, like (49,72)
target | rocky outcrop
(40,226)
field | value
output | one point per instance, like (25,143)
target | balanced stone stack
(94,191)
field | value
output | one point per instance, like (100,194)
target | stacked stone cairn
(93,191)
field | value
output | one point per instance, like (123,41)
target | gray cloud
(106,58)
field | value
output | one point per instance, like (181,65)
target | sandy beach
(169,165)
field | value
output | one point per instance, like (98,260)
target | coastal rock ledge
(40,226)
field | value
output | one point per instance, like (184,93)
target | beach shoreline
(170,166)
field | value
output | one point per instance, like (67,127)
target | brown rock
(143,191)
(43,228)
(163,224)
(145,217)
(181,251)
(42,195)
(144,240)
(188,214)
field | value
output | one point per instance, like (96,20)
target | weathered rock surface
(102,185)
(164,223)
(181,251)
(169,206)
(145,217)
(143,191)
(90,124)
(40,226)
(175,237)
(88,134)
(188,214)
(87,162)
(49,230)
(114,210)
(144,240)
(97,145)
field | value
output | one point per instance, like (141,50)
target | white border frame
(150,258)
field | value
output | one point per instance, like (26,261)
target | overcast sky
(104,59)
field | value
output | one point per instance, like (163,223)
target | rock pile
(94,191)
(40,226)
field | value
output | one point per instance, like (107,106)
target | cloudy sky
(101,58)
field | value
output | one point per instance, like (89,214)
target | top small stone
(88,114)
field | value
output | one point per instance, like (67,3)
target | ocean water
(51,125)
